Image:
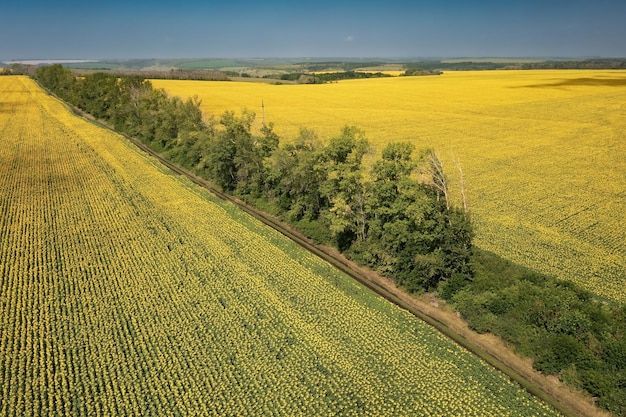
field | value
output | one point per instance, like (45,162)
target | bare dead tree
(462,183)
(436,176)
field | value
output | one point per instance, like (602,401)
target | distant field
(543,152)
(393,73)
(127,290)
(208,63)
(494,60)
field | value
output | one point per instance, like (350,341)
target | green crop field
(127,290)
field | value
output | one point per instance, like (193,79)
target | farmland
(543,152)
(126,290)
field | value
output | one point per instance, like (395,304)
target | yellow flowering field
(543,153)
(128,290)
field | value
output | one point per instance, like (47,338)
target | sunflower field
(127,290)
(543,153)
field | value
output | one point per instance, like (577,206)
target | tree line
(394,215)
(321,78)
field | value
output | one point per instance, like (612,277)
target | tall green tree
(97,94)
(237,158)
(387,228)
(296,174)
(413,235)
(126,114)
(344,187)
(57,79)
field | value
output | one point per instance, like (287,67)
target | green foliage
(557,352)
(296,174)
(343,187)
(305,78)
(57,79)
(314,229)
(420,72)
(16,69)
(237,158)
(344,65)
(126,116)
(419,241)
(565,330)
(96,94)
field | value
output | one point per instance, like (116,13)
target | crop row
(125,290)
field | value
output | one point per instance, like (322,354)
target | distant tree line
(394,215)
(420,71)
(340,65)
(173,74)
(18,69)
(312,78)
(436,66)
(598,63)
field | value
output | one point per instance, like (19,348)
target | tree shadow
(600,82)
(9,106)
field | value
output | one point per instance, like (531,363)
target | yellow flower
(542,152)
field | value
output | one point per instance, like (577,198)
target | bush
(558,353)
(313,229)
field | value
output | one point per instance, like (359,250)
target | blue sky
(66,29)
